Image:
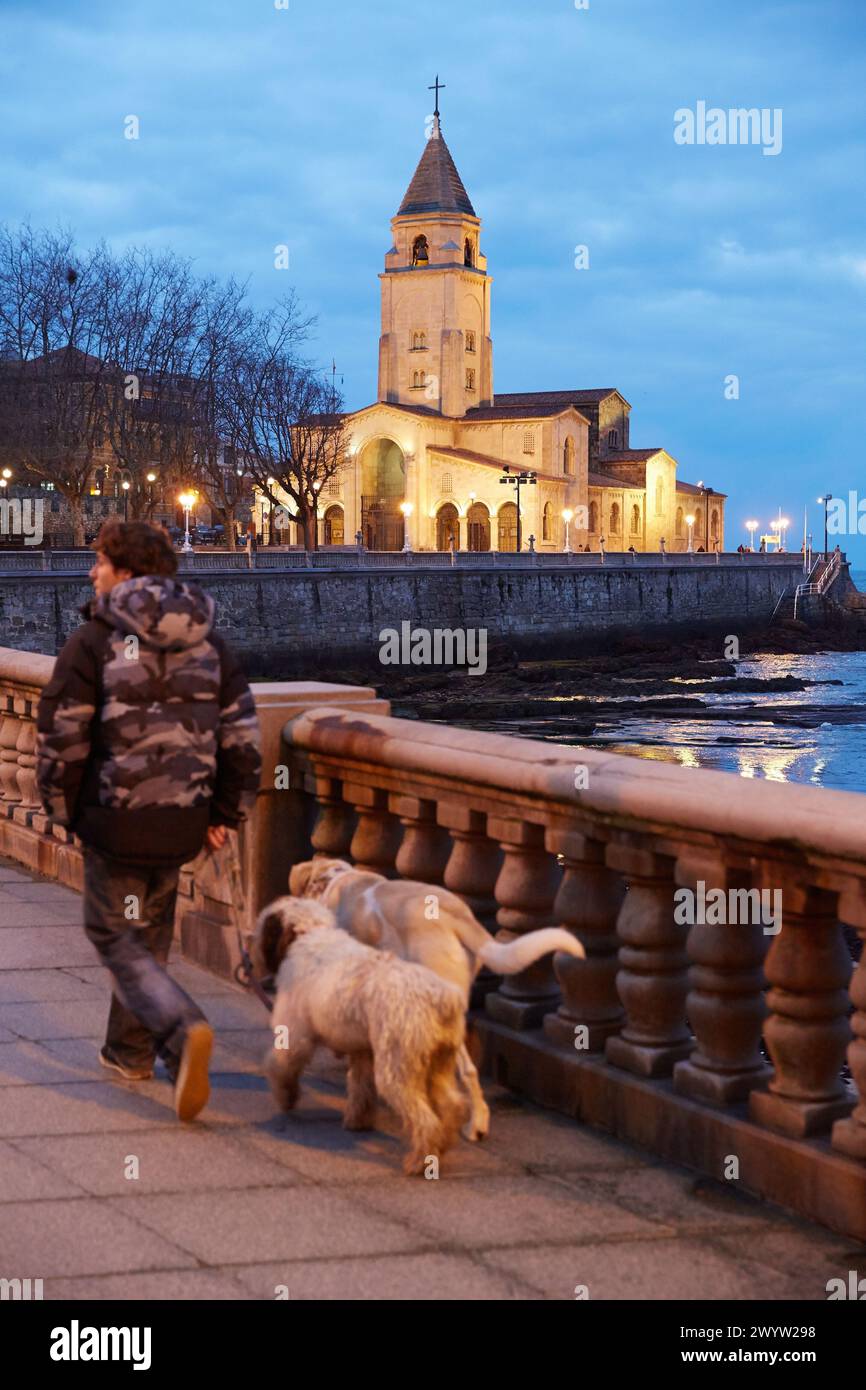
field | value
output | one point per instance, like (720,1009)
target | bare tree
(287,418)
(53,373)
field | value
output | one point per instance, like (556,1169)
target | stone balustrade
(705,1042)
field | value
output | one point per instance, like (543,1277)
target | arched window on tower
(468,252)
(420,251)
(615,524)
(547,522)
(635,519)
(613,439)
(660,498)
(568,458)
(593,516)
(678,526)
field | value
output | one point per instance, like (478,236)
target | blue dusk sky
(302,125)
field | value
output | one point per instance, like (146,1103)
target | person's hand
(216,837)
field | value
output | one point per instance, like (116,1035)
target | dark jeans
(129,917)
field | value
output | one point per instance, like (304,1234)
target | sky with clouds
(302,125)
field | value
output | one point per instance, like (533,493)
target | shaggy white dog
(392,914)
(399,1024)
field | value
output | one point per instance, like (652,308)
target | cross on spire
(437,87)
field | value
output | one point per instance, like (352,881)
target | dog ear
(300,877)
(274,939)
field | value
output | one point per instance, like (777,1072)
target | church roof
(605,480)
(436,185)
(488,461)
(560,398)
(530,410)
(694,491)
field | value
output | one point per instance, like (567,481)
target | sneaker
(192,1088)
(128,1073)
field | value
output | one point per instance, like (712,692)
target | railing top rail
(628,791)
(25,668)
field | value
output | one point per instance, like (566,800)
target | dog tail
(508,958)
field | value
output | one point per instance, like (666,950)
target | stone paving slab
(161,1285)
(171,1159)
(645,1270)
(32,986)
(15,912)
(24,1179)
(87,1236)
(72,1018)
(25,1063)
(433,1275)
(262,1226)
(48,946)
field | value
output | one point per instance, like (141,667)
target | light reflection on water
(831,755)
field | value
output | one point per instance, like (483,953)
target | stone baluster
(26,747)
(376,840)
(652,979)
(725,1003)
(588,904)
(525,890)
(335,823)
(849,1135)
(809,968)
(426,846)
(9,732)
(475,860)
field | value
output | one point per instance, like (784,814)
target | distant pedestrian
(148,749)
(763,547)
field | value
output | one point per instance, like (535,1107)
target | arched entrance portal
(334,526)
(383,488)
(507,527)
(447,525)
(479,527)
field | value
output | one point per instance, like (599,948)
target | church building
(427,459)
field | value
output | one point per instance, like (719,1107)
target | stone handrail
(659,1032)
(74,562)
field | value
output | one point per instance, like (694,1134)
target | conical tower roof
(436,185)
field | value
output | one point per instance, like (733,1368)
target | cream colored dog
(393,914)
(399,1024)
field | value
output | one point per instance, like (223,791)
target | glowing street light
(187,501)
(825,500)
(568,517)
(751,527)
(407,509)
(126,486)
(690,522)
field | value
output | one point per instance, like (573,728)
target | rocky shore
(567,696)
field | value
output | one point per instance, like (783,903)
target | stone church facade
(429,454)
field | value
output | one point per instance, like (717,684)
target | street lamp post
(690,522)
(406,508)
(751,527)
(187,501)
(125,486)
(517,481)
(826,499)
(567,517)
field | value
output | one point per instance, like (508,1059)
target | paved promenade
(242,1202)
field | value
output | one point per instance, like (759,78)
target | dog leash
(244,972)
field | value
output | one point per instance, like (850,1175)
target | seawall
(305,623)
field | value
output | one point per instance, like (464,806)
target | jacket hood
(161,612)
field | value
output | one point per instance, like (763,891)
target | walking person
(148,749)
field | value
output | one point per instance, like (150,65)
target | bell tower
(435,350)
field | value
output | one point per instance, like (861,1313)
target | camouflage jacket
(147,731)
